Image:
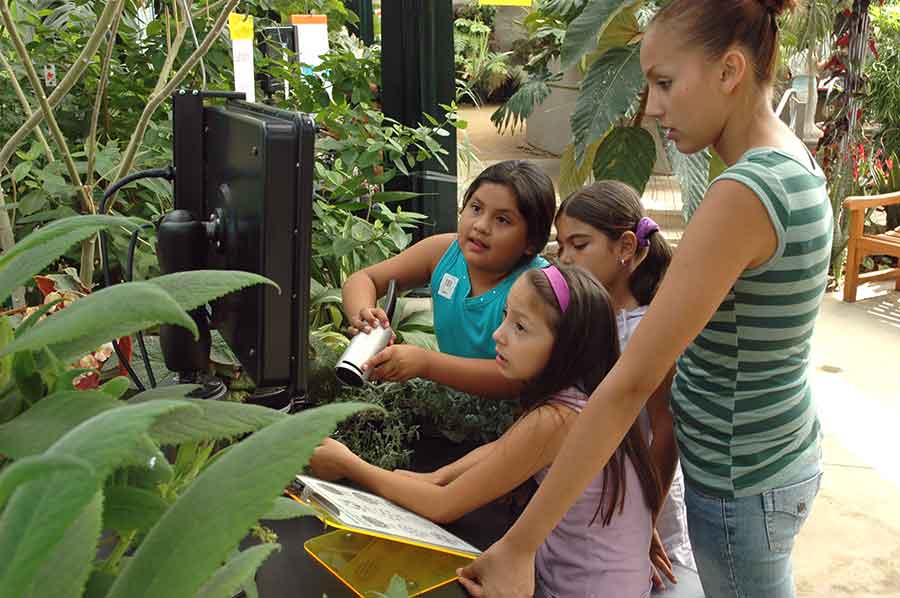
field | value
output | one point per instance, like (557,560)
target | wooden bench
(860,244)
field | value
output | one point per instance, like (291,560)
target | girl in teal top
(463,323)
(504,224)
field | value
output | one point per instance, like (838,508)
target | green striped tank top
(741,400)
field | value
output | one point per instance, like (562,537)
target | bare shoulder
(436,246)
(541,430)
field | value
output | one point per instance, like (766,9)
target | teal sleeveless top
(464,324)
(744,413)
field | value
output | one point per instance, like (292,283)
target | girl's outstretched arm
(480,377)
(730,232)
(410,268)
(522,451)
(450,472)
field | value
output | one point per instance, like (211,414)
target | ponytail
(644,281)
(614,208)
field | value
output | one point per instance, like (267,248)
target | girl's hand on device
(501,571)
(397,363)
(367,319)
(329,460)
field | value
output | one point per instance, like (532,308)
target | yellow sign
(241,26)
(505,2)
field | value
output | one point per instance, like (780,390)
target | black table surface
(292,573)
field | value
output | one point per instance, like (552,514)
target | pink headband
(559,286)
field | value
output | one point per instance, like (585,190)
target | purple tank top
(583,560)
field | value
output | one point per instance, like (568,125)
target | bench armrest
(863,202)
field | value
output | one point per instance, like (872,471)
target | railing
(789,94)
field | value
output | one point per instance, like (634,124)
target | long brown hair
(612,208)
(717,25)
(585,348)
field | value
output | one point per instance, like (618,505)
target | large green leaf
(521,104)
(692,172)
(571,176)
(216,420)
(119,436)
(6,336)
(196,534)
(32,468)
(609,89)
(35,520)
(174,391)
(100,317)
(582,33)
(40,511)
(65,569)
(397,588)
(287,508)
(33,253)
(50,419)
(35,317)
(126,508)
(426,340)
(235,573)
(626,154)
(319,294)
(621,31)
(197,287)
(99,583)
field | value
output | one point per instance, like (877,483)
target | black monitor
(243,201)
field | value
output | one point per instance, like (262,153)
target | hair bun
(778,7)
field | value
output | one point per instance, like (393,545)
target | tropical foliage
(91,506)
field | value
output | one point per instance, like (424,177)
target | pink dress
(583,560)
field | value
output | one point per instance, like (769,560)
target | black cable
(132,245)
(129,276)
(167,173)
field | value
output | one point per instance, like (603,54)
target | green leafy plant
(545,28)
(602,40)
(411,411)
(482,70)
(96,474)
(358,153)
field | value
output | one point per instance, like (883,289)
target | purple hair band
(559,286)
(645,228)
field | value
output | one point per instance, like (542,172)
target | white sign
(241,28)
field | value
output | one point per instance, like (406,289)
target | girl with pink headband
(558,338)
(604,229)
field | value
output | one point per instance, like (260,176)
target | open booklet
(377,539)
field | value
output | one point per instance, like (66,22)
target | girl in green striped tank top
(733,317)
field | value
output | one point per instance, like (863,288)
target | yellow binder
(374,539)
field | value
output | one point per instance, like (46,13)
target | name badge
(448,286)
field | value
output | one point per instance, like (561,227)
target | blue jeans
(743,545)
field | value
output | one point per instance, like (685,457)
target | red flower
(87,381)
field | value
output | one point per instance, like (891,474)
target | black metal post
(365,29)
(417,77)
